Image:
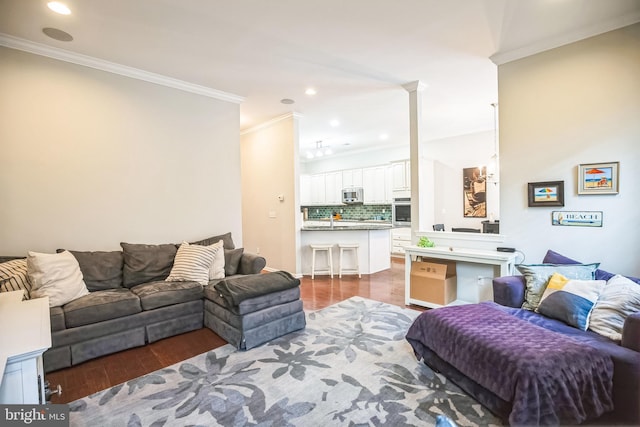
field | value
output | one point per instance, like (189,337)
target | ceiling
(357,54)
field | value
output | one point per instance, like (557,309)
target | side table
(25,334)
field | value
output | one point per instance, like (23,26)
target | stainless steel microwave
(353,195)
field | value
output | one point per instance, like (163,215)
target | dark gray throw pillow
(146,263)
(100,270)
(226,238)
(232,261)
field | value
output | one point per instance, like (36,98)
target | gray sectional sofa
(130,304)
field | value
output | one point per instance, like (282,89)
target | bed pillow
(192,264)
(56,276)
(13,277)
(619,298)
(537,275)
(570,300)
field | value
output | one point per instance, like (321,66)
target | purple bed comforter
(549,378)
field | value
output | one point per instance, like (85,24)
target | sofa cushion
(56,276)
(252,304)
(146,263)
(193,263)
(619,299)
(56,314)
(537,275)
(13,277)
(100,270)
(100,306)
(159,294)
(232,259)
(226,238)
(570,300)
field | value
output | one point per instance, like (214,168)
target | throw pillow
(619,298)
(13,277)
(232,261)
(100,270)
(570,300)
(537,275)
(226,238)
(146,263)
(552,257)
(217,267)
(192,263)
(56,276)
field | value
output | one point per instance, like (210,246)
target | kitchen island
(373,237)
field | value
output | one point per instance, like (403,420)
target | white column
(415,90)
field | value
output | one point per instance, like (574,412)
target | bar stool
(322,248)
(349,247)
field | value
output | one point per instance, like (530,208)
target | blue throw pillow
(570,301)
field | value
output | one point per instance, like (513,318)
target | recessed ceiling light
(310,91)
(287,101)
(334,123)
(57,34)
(384,136)
(58,7)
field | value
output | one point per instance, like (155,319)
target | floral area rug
(351,365)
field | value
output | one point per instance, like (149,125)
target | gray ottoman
(271,308)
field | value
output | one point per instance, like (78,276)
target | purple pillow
(555,258)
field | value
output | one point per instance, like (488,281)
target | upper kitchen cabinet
(374,184)
(352,178)
(318,189)
(401,176)
(305,190)
(333,188)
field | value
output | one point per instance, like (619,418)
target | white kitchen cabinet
(373,183)
(305,190)
(388,184)
(352,178)
(401,175)
(333,188)
(318,189)
(400,239)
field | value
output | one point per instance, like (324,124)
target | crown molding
(415,86)
(270,122)
(500,58)
(111,67)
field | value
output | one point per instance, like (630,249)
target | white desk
(25,333)
(504,260)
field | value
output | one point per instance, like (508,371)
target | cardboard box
(433,281)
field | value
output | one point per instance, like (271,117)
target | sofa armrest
(631,332)
(251,263)
(509,290)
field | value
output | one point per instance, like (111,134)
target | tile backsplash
(351,212)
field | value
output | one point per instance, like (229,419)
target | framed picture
(474,187)
(598,178)
(577,218)
(549,193)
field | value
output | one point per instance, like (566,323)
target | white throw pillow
(619,298)
(192,263)
(217,267)
(56,276)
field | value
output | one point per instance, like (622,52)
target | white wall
(269,170)
(360,159)
(579,103)
(90,159)
(449,156)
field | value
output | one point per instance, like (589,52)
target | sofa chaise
(578,375)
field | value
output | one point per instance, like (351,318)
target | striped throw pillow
(192,263)
(13,277)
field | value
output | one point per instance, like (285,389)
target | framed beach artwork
(547,193)
(598,178)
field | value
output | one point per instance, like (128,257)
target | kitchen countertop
(341,225)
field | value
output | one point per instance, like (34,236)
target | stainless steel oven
(401,211)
